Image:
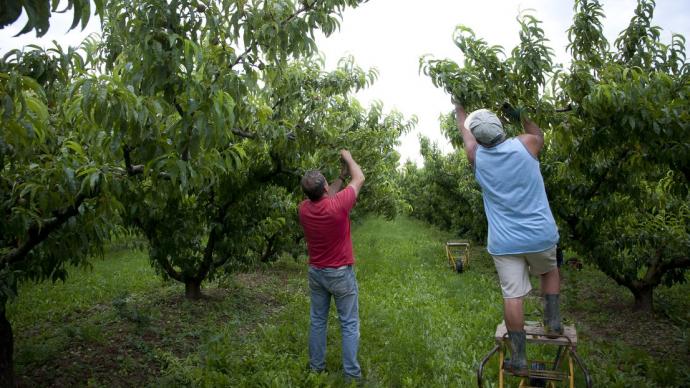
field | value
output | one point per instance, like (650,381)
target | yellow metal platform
(554,373)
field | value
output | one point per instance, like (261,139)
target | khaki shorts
(513,270)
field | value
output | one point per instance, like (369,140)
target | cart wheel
(458,266)
(537,382)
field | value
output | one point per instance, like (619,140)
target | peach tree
(57,188)
(216,110)
(187,121)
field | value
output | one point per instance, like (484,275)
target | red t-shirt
(326,225)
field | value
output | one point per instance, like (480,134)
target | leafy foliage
(616,160)
(444,193)
(189,122)
(53,188)
(235,126)
(39,12)
(487,78)
(55,182)
(182,120)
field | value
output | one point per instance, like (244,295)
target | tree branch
(244,54)
(39,232)
(137,169)
(208,256)
(676,263)
(131,169)
(655,269)
(622,280)
(242,133)
(306,7)
(168,268)
(210,244)
(270,249)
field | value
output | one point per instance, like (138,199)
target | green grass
(421,323)
(123,271)
(119,324)
(415,330)
(625,348)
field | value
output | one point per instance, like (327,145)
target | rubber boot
(552,316)
(518,357)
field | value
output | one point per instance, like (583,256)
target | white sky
(391,35)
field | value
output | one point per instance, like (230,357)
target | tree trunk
(192,289)
(644,299)
(6,349)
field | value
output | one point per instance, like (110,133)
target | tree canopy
(189,123)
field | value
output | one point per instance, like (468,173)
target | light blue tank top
(520,220)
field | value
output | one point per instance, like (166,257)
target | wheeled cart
(458,254)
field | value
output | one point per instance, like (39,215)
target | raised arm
(470,143)
(355,171)
(533,138)
(337,183)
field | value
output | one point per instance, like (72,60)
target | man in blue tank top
(522,232)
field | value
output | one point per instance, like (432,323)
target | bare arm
(533,138)
(355,171)
(468,139)
(337,184)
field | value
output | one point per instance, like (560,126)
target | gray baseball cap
(486,127)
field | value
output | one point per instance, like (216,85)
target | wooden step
(535,334)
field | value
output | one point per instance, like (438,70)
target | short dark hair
(313,184)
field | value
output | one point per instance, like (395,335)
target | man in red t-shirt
(325,218)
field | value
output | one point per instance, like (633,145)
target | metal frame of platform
(562,368)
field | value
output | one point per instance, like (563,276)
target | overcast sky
(391,35)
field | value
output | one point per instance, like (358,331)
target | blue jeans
(342,284)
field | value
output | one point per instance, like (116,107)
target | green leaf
(76,147)
(93,180)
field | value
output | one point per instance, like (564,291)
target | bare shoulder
(533,143)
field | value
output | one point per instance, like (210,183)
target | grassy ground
(120,325)
(421,324)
